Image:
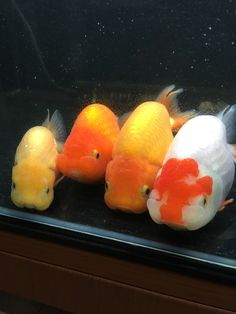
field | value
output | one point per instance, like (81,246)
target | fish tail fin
(168,97)
(232,148)
(228,117)
(57,127)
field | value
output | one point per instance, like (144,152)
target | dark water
(152,41)
(64,54)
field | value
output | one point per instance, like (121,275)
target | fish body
(138,153)
(89,145)
(146,134)
(196,176)
(34,171)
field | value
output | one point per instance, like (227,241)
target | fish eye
(107,184)
(204,201)
(47,191)
(15,163)
(95,154)
(145,190)
(13,185)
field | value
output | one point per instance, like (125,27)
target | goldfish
(196,176)
(34,172)
(139,151)
(88,148)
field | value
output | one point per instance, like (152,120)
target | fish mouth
(123,208)
(25,205)
(128,209)
(35,207)
(29,205)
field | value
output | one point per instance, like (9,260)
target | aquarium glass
(65,55)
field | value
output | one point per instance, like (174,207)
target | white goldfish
(196,177)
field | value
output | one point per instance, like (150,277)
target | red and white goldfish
(196,177)
(34,171)
(139,152)
(88,148)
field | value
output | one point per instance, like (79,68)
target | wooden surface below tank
(80,281)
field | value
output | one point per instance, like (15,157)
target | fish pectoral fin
(59,180)
(57,127)
(225,203)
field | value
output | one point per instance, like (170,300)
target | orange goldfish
(88,148)
(139,151)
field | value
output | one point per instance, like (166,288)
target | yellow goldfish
(34,172)
(139,151)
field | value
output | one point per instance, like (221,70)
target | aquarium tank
(62,56)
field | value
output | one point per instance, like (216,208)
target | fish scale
(146,134)
(101,119)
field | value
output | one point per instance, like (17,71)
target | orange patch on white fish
(177,184)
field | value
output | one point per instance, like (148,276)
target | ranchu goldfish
(139,151)
(88,148)
(34,172)
(197,175)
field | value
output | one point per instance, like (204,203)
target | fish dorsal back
(38,143)
(146,134)
(100,119)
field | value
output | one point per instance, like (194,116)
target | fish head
(32,184)
(185,195)
(128,184)
(85,157)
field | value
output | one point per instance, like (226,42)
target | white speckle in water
(35,77)
(191,67)
(210,28)
(232,43)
